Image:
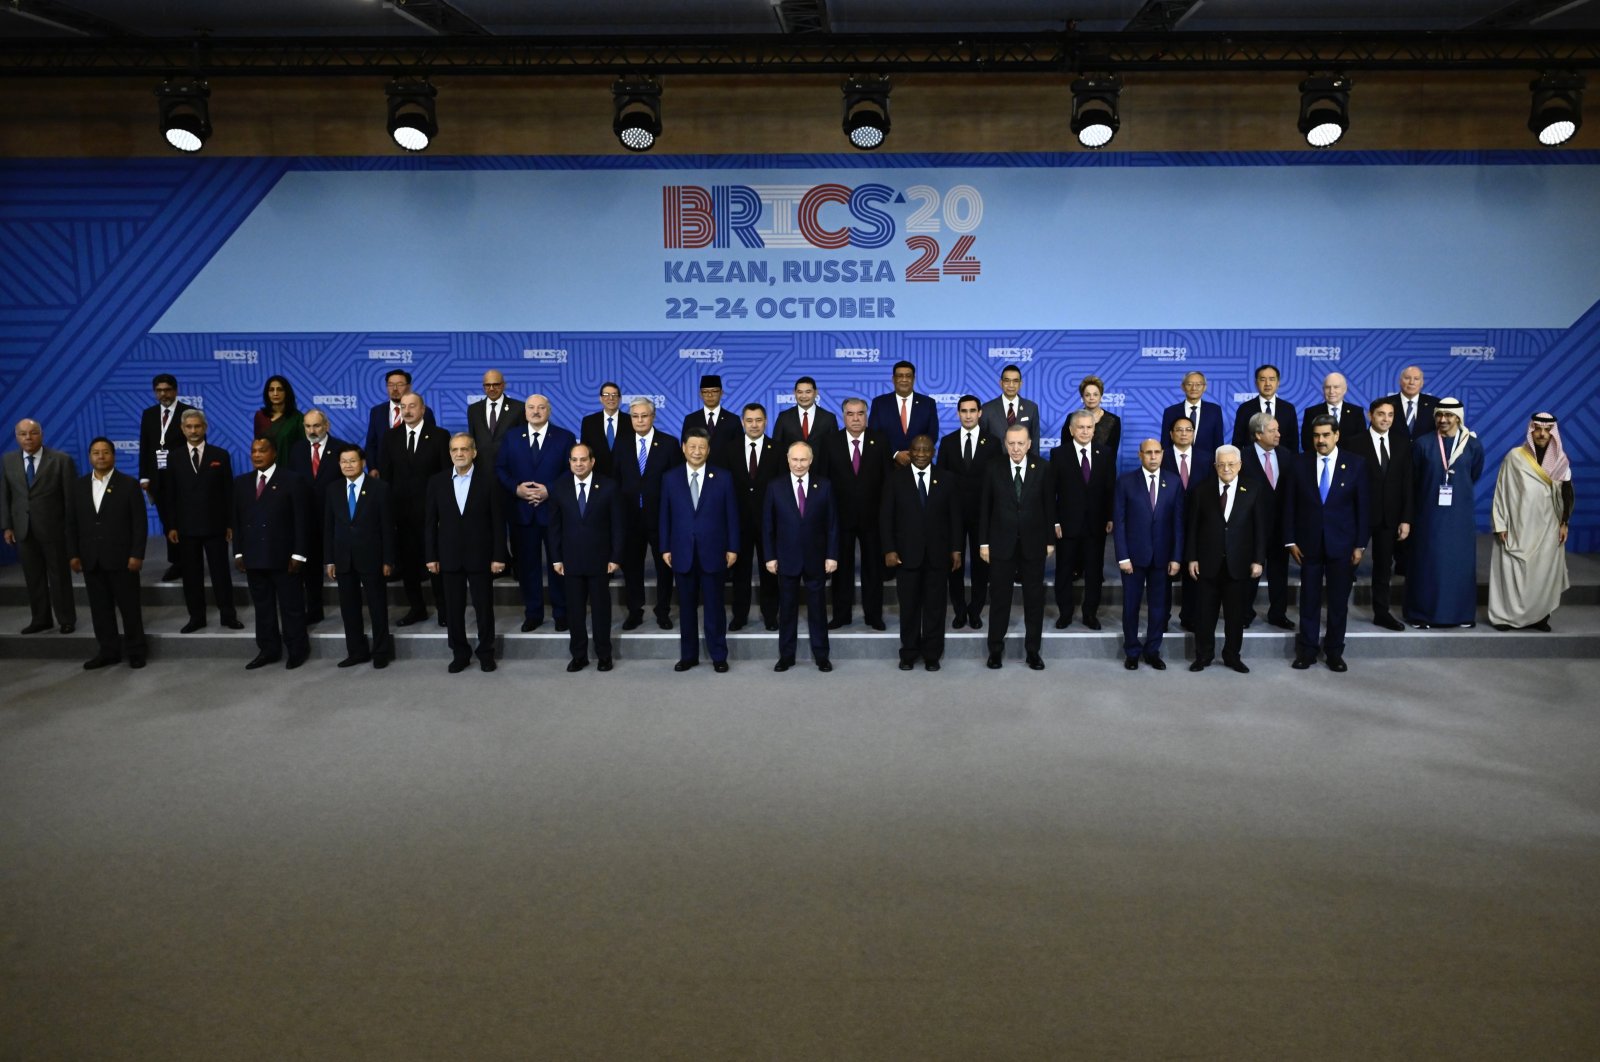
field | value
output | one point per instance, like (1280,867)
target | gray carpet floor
(1400,863)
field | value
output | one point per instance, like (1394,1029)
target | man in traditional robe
(1532,504)
(1442,584)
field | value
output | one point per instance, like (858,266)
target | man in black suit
(1190,464)
(601,429)
(721,427)
(1225,546)
(920,522)
(966,454)
(1084,476)
(586,542)
(106,529)
(271,536)
(754,461)
(1016,531)
(1205,417)
(316,458)
(801,533)
(196,489)
(642,457)
(805,421)
(1328,521)
(488,421)
(1346,414)
(857,459)
(1413,408)
(385,416)
(413,454)
(1267,401)
(1387,456)
(1263,460)
(359,544)
(161,437)
(464,541)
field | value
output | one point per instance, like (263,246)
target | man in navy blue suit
(1205,416)
(1327,524)
(903,414)
(586,540)
(802,539)
(464,542)
(271,538)
(316,458)
(699,542)
(529,461)
(641,459)
(1147,531)
(358,541)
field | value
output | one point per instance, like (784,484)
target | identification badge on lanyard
(161,458)
(1446,495)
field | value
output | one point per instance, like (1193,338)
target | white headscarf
(1555,463)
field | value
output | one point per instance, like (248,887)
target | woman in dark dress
(1107,426)
(279,417)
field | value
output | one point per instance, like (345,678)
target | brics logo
(694,217)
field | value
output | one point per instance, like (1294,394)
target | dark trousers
(1188,601)
(978,569)
(635,543)
(112,591)
(922,593)
(369,587)
(408,554)
(530,548)
(697,587)
(1384,548)
(1003,571)
(1276,574)
(48,573)
(590,593)
(1083,558)
(312,573)
(752,554)
(789,614)
(199,554)
(1221,591)
(871,571)
(456,588)
(1338,575)
(1153,587)
(278,598)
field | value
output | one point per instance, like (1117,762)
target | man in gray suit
(487,421)
(33,514)
(1011,408)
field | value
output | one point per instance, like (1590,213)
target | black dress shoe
(823,664)
(959,623)
(192,626)
(354,661)
(931,665)
(457,666)
(877,625)
(1336,663)
(905,665)
(1423,626)
(233,623)
(410,619)
(1154,662)
(136,662)
(532,624)
(487,664)
(975,621)
(561,624)
(736,625)
(1092,622)
(719,666)
(1388,622)
(37,628)
(835,624)
(381,662)
(313,618)
(664,622)
(772,625)
(98,662)
(784,664)
(603,665)
(685,665)
(443,622)
(1501,626)
(578,664)
(1199,665)
(1035,662)
(172,574)
(1063,622)
(1237,665)
(1542,625)
(262,660)
(1301,662)
(633,622)
(993,663)
(1283,623)
(1130,663)
(68,628)
(295,661)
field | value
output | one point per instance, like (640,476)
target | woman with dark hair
(279,417)
(1107,426)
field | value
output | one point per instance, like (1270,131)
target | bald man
(1336,404)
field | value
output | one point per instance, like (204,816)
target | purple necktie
(855,458)
(1085,465)
(1152,493)
(800,497)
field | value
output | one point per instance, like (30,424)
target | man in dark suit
(490,420)
(1225,544)
(316,459)
(386,416)
(107,525)
(801,532)
(413,454)
(805,421)
(1147,528)
(532,458)
(1011,408)
(1262,459)
(1267,401)
(464,541)
(271,536)
(920,524)
(1189,465)
(34,488)
(966,454)
(643,456)
(601,429)
(1205,417)
(1413,408)
(1083,476)
(1329,518)
(699,542)
(721,427)
(754,462)
(159,438)
(586,540)
(1387,455)
(1016,529)
(902,415)
(358,538)
(857,459)
(1347,415)
(196,489)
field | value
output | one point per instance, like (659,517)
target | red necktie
(805,425)
(905,407)
(1011,413)
(261,484)
(316,458)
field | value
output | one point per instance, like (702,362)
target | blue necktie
(583,498)
(30,471)
(1322,483)
(611,433)
(643,457)
(352,501)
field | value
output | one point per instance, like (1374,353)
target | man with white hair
(1442,582)
(1532,504)
(1225,545)
(34,485)
(1346,414)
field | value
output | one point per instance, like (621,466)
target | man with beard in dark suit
(464,543)
(966,454)
(586,540)
(857,459)
(754,461)
(1084,476)
(1263,460)
(1225,544)
(920,525)
(160,438)
(106,529)
(413,454)
(197,489)
(271,532)
(316,458)
(1016,529)
(359,543)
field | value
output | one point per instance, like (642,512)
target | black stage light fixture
(1557,110)
(412,120)
(638,112)
(866,111)
(185,115)
(1094,109)
(1324,109)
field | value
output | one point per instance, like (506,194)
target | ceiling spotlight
(185,115)
(412,121)
(1557,106)
(638,112)
(866,111)
(1094,109)
(1324,109)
